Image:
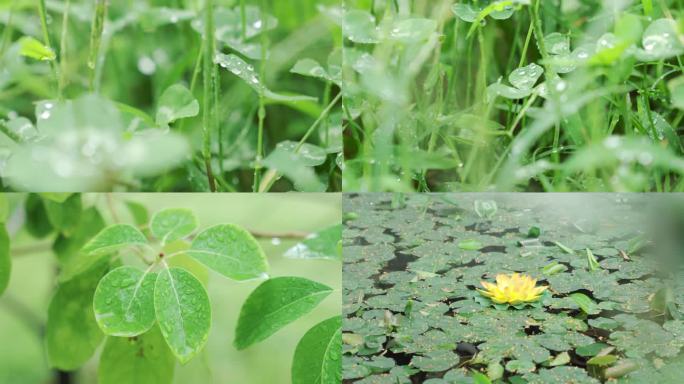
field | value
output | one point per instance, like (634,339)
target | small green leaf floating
(30,47)
(113,238)
(176,102)
(322,245)
(124,302)
(317,357)
(182,309)
(470,244)
(274,304)
(172,224)
(142,360)
(230,251)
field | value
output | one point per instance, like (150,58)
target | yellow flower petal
(513,289)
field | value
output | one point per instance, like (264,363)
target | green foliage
(30,47)
(317,357)
(146,129)
(412,311)
(137,360)
(143,291)
(113,238)
(72,334)
(124,302)
(512,96)
(230,251)
(183,311)
(273,305)
(170,225)
(326,244)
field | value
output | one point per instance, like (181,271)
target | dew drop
(146,65)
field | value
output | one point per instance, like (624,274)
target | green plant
(140,289)
(414,310)
(524,95)
(188,91)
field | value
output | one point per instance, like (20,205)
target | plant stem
(96,30)
(42,13)
(208,72)
(262,102)
(63,48)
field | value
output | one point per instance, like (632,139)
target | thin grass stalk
(208,72)
(96,30)
(42,13)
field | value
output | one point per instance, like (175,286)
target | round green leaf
(317,357)
(172,224)
(114,237)
(274,304)
(124,302)
(230,251)
(183,312)
(136,360)
(176,103)
(5,261)
(470,244)
(72,334)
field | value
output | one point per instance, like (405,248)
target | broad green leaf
(274,304)
(37,222)
(231,251)
(326,244)
(113,238)
(64,216)
(175,103)
(145,359)
(5,260)
(172,224)
(72,334)
(248,74)
(182,309)
(30,47)
(124,302)
(317,358)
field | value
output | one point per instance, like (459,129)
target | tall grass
(421,115)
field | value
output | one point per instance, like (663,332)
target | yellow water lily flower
(512,289)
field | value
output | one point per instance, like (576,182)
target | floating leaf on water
(470,244)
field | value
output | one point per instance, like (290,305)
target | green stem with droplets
(96,30)
(42,13)
(208,74)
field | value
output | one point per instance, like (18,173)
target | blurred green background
(23,307)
